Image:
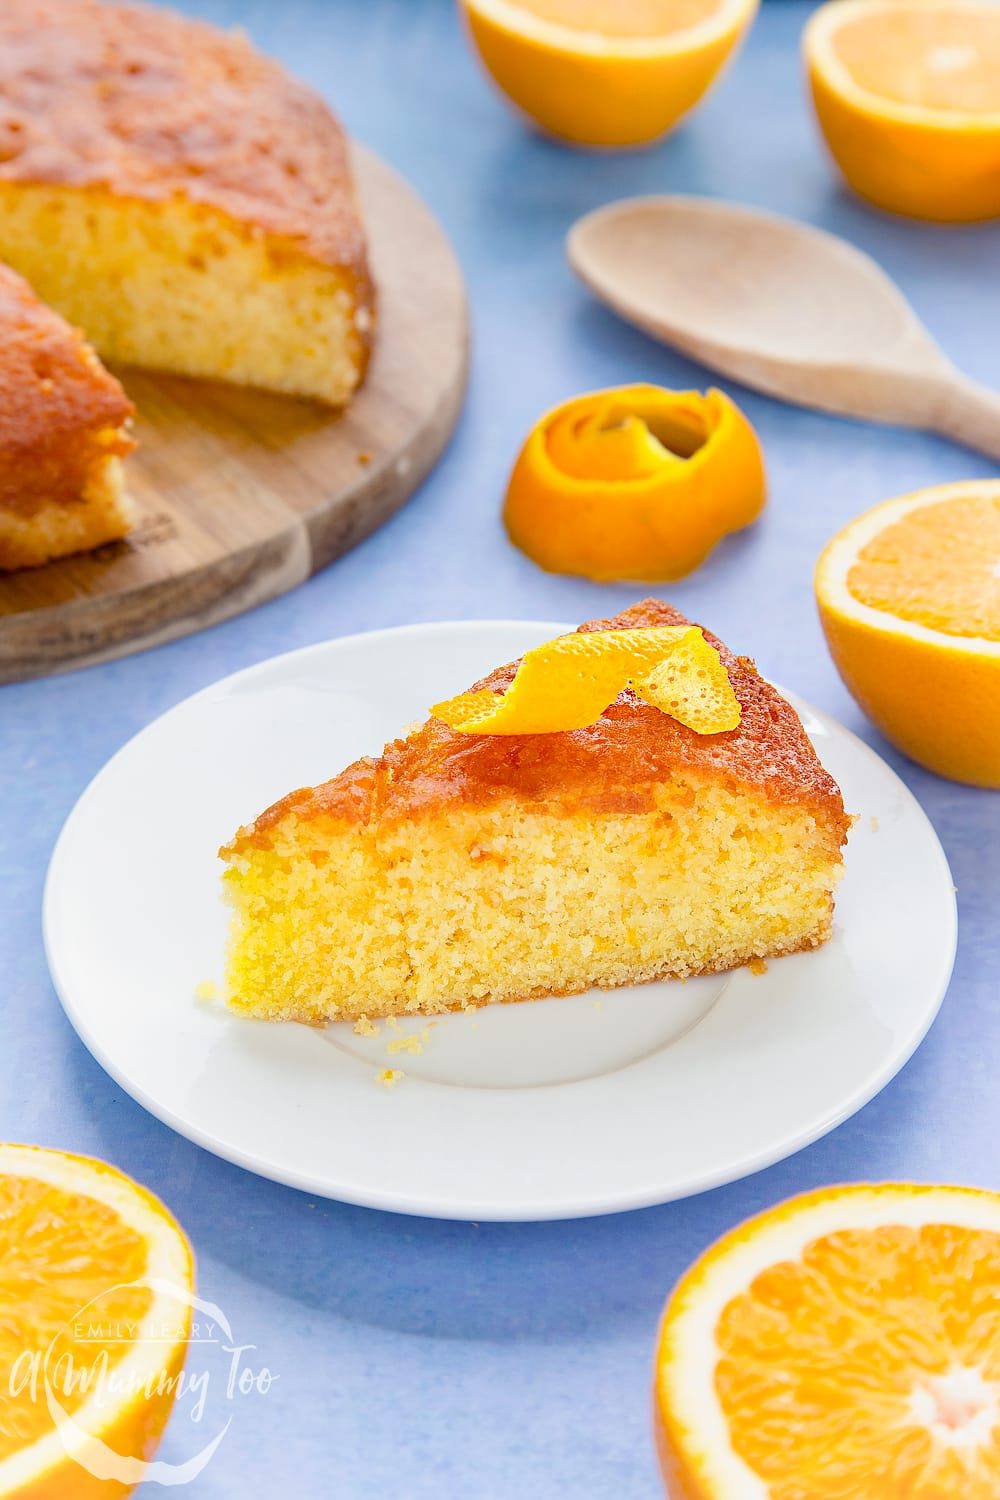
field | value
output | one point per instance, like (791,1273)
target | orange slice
(909,598)
(569,682)
(636,482)
(844,1346)
(84,1254)
(606,72)
(908,99)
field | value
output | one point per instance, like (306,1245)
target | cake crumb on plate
(405,1044)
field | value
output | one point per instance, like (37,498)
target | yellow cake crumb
(207,990)
(411,1044)
(364,1027)
(757,966)
(389,1077)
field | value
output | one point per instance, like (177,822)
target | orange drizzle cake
(457,868)
(180,197)
(63,432)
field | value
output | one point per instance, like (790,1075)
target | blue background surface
(420,1359)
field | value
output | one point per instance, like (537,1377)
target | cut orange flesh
(89,1267)
(939,566)
(937,59)
(844,1346)
(42,1224)
(622,18)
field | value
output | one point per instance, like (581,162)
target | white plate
(546,1110)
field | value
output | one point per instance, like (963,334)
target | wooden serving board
(241,495)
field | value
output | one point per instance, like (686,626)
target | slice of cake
(63,432)
(460,868)
(180,197)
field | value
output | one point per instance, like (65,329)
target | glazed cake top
(52,385)
(610,766)
(150,104)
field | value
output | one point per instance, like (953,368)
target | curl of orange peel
(569,682)
(635,482)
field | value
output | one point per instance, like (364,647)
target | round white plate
(599,1102)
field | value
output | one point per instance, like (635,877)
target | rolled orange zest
(634,483)
(569,682)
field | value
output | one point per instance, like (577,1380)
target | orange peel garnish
(569,682)
(636,482)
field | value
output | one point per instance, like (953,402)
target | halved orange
(95,1281)
(909,599)
(606,72)
(908,98)
(843,1346)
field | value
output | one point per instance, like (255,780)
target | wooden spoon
(779,306)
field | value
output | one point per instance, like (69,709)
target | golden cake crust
(151,104)
(611,766)
(60,410)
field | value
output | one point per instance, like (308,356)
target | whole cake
(63,431)
(458,868)
(180,197)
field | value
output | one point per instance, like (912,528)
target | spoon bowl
(780,306)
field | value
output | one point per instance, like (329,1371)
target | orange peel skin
(636,482)
(569,682)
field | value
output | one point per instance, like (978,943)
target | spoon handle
(970,414)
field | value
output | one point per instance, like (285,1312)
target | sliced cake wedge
(64,428)
(461,868)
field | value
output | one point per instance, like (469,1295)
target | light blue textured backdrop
(421,1359)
